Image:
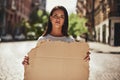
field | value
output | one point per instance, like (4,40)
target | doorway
(117,34)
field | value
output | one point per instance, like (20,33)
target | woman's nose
(57,17)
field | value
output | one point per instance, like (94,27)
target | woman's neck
(56,32)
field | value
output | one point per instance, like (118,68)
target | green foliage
(77,25)
(37,24)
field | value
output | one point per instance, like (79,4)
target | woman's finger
(26,60)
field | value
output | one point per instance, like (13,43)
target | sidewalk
(104,62)
(103,48)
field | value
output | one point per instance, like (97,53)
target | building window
(118,1)
(1,16)
(13,6)
(118,6)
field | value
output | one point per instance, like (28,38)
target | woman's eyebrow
(54,14)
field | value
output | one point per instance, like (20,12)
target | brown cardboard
(55,60)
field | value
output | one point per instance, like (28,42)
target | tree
(77,25)
(37,24)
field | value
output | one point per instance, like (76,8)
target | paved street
(104,63)
(11,56)
(105,67)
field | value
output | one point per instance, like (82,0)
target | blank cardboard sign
(55,60)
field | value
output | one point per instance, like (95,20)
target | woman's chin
(58,26)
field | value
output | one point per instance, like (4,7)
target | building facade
(12,13)
(104,19)
(84,9)
(81,8)
(40,3)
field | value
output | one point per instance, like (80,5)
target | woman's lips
(57,22)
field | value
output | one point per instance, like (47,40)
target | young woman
(57,28)
(57,25)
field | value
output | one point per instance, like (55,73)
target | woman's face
(57,19)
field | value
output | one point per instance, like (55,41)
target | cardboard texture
(55,60)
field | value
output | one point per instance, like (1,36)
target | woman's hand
(87,58)
(26,60)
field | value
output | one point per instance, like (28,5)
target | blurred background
(94,21)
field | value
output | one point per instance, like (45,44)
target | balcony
(114,14)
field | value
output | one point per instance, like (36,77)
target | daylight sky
(70,5)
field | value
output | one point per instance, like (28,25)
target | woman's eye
(56,17)
(62,17)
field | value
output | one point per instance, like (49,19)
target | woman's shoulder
(52,38)
(70,39)
(41,38)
